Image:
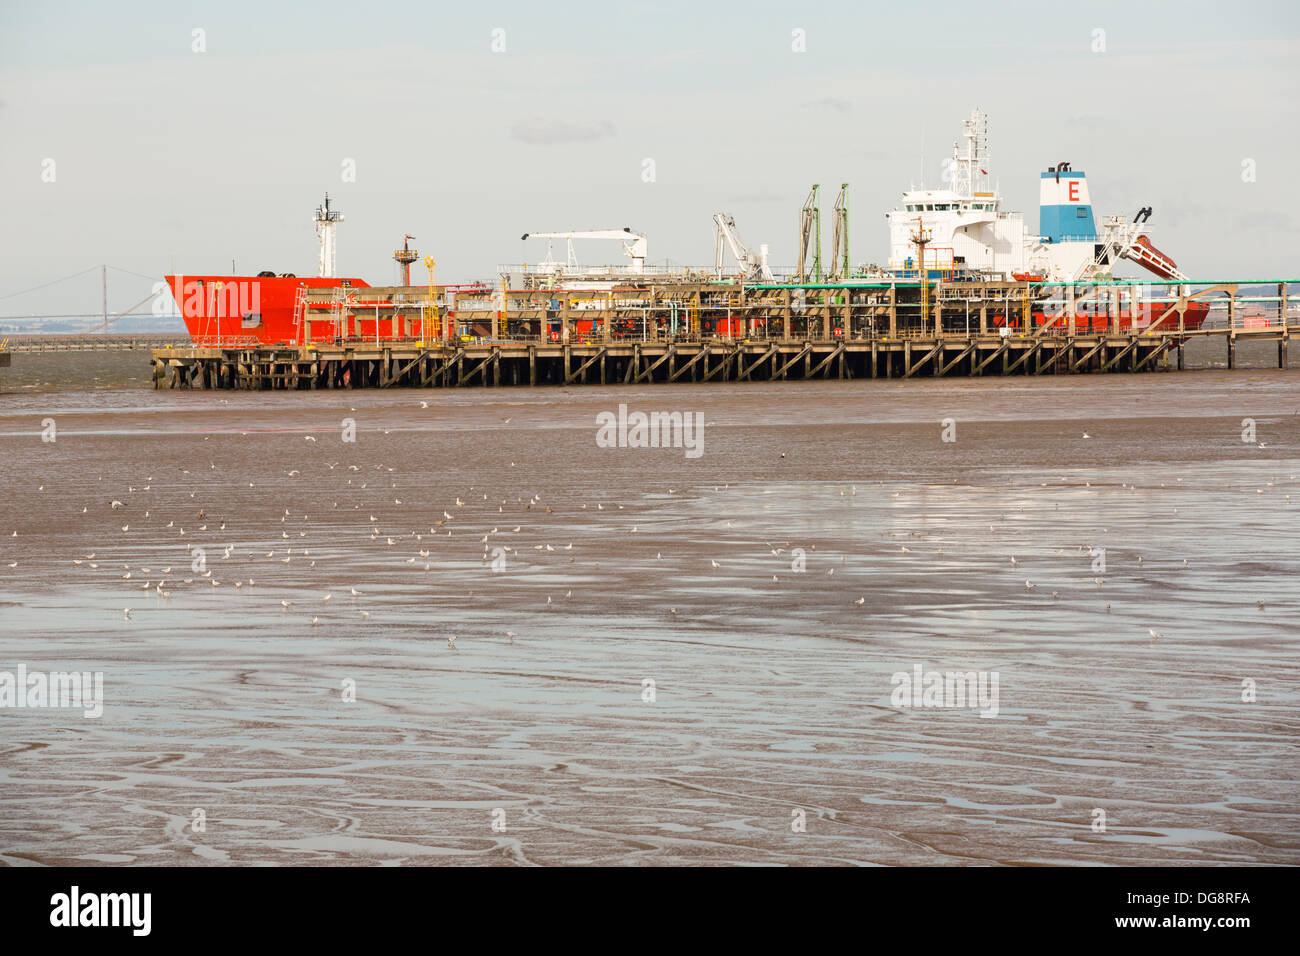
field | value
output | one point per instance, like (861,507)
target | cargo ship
(234,310)
(960,233)
(945,237)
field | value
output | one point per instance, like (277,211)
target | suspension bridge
(25,328)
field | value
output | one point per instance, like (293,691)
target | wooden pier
(94,342)
(415,365)
(731,332)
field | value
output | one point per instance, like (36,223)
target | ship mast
(405,256)
(326,221)
(970,170)
(922,238)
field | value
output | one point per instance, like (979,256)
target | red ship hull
(230,311)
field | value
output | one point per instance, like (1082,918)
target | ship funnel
(1064,206)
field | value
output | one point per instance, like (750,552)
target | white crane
(635,245)
(752,267)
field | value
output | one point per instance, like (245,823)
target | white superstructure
(969,231)
(965,218)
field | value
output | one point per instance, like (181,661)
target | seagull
(714,563)
(860,601)
(1086,435)
(126,613)
(286,604)
(1029,585)
(1154,633)
(309,438)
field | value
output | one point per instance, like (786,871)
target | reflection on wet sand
(656,659)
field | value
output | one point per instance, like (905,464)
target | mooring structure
(645,332)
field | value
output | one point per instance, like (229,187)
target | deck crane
(752,267)
(840,266)
(634,244)
(1128,240)
(810,235)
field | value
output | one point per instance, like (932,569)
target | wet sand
(770,696)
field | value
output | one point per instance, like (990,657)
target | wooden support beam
(780,373)
(1160,349)
(483,369)
(742,373)
(723,365)
(406,368)
(838,350)
(1114,359)
(912,368)
(945,367)
(1023,357)
(599,356)
(649,369)
(1040,363)
(1087,357)
(673,376)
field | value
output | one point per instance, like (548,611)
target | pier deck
(415,364)
(724,330)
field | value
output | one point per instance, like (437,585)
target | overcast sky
(165,158)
